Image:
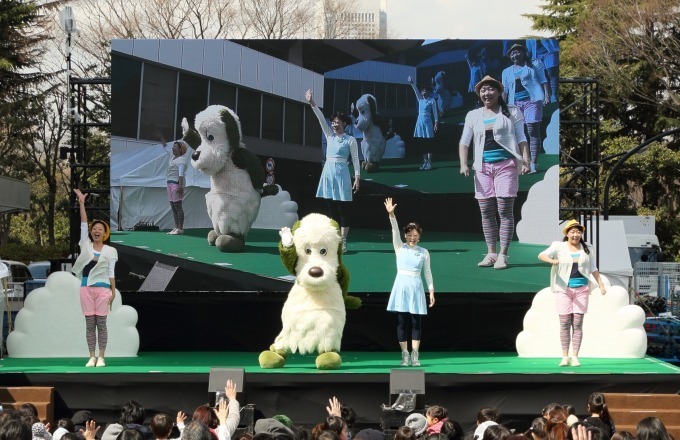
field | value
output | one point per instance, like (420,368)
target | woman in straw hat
(501,154)
(176,183)
(527,88)
(572,266)
(96,267)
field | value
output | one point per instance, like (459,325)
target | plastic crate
(662,279)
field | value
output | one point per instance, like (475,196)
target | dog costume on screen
(313,316)
(372,125)
(237,179)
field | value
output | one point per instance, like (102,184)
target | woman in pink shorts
(571,268)
(176,183)
(96,267)
(501,153)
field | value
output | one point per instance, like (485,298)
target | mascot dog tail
(242,158)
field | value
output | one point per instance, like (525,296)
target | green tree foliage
(632,48)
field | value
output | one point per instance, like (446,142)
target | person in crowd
(571,414)
(96,267)
(501,153)
(335,184)
(496,432)
(538,429)
(405,433)
(527,88)
(15,430)
(64,426)
(407,298)
(418,423)
(622,435)
(176,182)
(132,416)
(162,425)
(572,266)
(426,124)
(599,415)
(436,417)
(131,434)
(476,70)
(195,431)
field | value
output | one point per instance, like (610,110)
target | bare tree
(335,21)
(277,19)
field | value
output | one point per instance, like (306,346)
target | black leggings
(338,211)
(402,326)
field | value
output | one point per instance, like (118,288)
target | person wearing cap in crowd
(370,434)
(527,88)
(274,428)
(176,183)
(572,266)
(95,266)
(418,423)
(501,154)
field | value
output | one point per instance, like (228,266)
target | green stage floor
(370,259)
(353,363)
(444,177)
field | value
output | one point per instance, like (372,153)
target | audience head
(538,429)
(452,430)
(245,436)
(348,413)
(206,415)
(651,428)
(161,425)
(481,429)
(199,431)
(337,425)
(71,436)
(405,433)
(597,405)
(556,424)
(14,429)
(327,434)
(132,412)
(435,414)
(436,436)
(488,414)
(273,428)
(28,409)
(67,424)
(550,407)
(370,434)
(130,434)
(569,408)
(496,432)
(418,423)
(622,435)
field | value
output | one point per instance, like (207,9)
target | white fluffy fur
(373,143)
(232,201)
(314,314)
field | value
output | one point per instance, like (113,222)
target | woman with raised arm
(335,185)
(95,266)
(426,124)
(407,298)
(176,182)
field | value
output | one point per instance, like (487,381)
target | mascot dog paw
(236,175)
(313,316)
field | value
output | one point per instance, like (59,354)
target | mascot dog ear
(190,135)
(243,158)
(378,120)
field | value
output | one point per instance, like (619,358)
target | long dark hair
(597,405)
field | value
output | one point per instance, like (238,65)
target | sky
(460,19)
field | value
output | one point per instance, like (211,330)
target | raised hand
(333,407)
(389,206)
(286,237)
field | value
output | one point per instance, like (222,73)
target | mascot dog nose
(195,155)
(315,272)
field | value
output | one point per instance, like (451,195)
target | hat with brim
(107,228)
(489,80)
(573,224)
(517,46)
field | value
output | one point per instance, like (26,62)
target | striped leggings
(492,209)
(96,324)
(574,320)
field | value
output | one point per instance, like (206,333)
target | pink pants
(95,300)
(497,179)
(574,300)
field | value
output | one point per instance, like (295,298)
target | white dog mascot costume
(313,315)
(374,128)
(236,175)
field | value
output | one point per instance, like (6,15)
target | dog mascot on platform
(313,315)
(374,128)
(236,175)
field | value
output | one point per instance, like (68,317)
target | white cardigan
(103,270)
(559,273)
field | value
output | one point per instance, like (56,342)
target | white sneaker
(344,245)
(532,168)
(488,261)
(100,362)
(405,359)
(92,362)
(172,232)
(565,362)
(575,362)
(501,262)
(427,166)
(176,232)
(414,359)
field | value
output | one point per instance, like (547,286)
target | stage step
(628,409)
(41,397)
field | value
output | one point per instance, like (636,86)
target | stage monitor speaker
(407,381)
(158,279)
(220,376)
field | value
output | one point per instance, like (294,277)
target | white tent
(139,192)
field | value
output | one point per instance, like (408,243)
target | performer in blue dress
(408,295)
(335,185)
(426,124)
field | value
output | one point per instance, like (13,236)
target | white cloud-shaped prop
(540,223)
(51,323)
(611,328)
